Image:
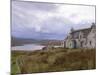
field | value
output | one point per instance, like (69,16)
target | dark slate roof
(75,33)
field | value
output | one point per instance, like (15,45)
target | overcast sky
(49,20)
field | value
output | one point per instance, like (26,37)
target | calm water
(28,47)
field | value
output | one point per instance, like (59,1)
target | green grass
(58,59)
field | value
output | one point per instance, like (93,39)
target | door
(74,44)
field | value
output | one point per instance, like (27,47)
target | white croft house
(82,38)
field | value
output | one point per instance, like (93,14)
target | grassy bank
(58,59)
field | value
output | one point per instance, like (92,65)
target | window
(90,42)
(70,45)
(80,36)
(85,42)
(82,43)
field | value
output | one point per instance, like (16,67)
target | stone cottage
(82,38)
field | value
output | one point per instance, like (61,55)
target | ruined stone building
(82,38)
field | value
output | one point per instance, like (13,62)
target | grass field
(57,59)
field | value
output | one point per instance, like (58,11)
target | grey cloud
(25,21)
(34,6)
(57,25)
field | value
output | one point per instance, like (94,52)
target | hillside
(58,59)
(20,41)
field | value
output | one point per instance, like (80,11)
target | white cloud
(80,12)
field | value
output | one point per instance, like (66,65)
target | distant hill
(20,41)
